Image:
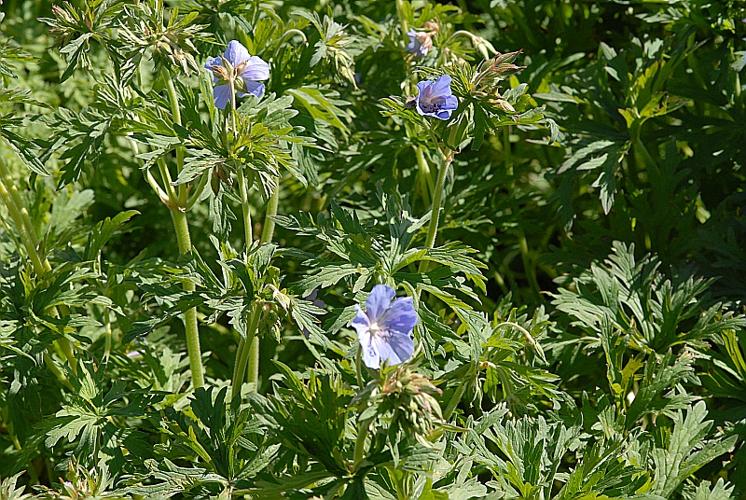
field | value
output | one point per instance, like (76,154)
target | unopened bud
(504,105)
(432,26)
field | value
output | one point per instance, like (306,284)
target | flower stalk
(438,192)
(359,452)
(247,353)
(177,206)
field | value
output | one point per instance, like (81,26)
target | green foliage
(571,239)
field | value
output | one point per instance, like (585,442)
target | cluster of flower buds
(420,42)
(67,22)
(486,83)
(412,398)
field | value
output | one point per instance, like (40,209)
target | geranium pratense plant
(386,158)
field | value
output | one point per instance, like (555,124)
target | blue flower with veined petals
(435,98)
(419,43)
(385,328)
(250,69)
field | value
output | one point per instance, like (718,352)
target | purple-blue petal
(423,88)
(212,62)
(450,102)
(254,88)
(412,46)
(394,349)
(378,301)
(370,352)
(236,53)
(222,94)
(255,69)
(360,322)
(442,86)
(435,98)
(400,317)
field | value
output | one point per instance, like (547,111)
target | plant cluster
(372,249)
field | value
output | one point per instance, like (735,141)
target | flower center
(375,329)
(430,102)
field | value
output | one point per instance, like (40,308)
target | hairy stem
(177,206)
(173,99)
(190,315)
(244,350)
(268,230)
(432,229)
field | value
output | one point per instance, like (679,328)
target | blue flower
(385,328)
(419,43)
(245,70)
(435,98)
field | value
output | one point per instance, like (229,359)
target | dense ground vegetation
(207,207)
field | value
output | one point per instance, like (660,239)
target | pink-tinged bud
(432,26)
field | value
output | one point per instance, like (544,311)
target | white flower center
(375,329)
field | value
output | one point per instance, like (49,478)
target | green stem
(190,315)
(432,230)
(15,214)
(362,433)
(424,172)
(268,230)
(507,152)
(168,182)
(243,352)
(173,98)
(359,365)
(252,338)
(253,362)
(177,206)
(247,353)
(248,232)
(194,197)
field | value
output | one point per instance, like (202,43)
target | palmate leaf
(705,490)
(312,418)
(9,489)
(687,450)
(323,105)
(27,150)
(333,46)
(173,480)
(656,394)
(89,419)
(526,457)
(225,438)
(726,378)
(635,297)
